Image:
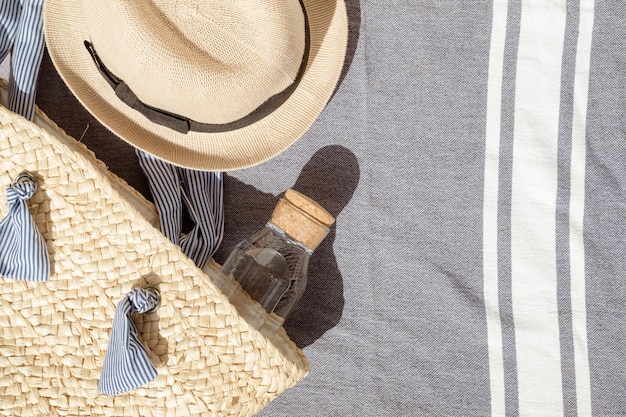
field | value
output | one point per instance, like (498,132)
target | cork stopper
(302,218)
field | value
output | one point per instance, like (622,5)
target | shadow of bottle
(330,178)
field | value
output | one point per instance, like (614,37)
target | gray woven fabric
(398,317)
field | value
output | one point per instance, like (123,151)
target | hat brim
(65,33)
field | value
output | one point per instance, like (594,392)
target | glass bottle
(271,265)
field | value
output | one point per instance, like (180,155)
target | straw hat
(246,77)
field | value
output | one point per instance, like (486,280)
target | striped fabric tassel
(126,364)
(21,28)
(23,252)
(200,193)
(9,18)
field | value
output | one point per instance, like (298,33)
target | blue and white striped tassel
(21,31)
(126,364)
(23,252)
(201,193)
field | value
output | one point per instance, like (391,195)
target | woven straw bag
(102,242)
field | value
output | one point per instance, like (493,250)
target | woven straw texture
(53,335)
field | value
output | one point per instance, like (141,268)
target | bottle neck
(280,232)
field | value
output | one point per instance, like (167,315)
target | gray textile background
(393,319)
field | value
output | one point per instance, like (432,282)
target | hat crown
(212,61)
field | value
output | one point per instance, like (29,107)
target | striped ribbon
(126,364)
(200,193)
(21,31)
(23,252)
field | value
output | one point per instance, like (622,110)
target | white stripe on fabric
(25,34)
(200,193)
(577,208)
(490,207)
(126,363)
(533,211)
(23,252)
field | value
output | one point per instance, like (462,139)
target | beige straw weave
(54,335)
